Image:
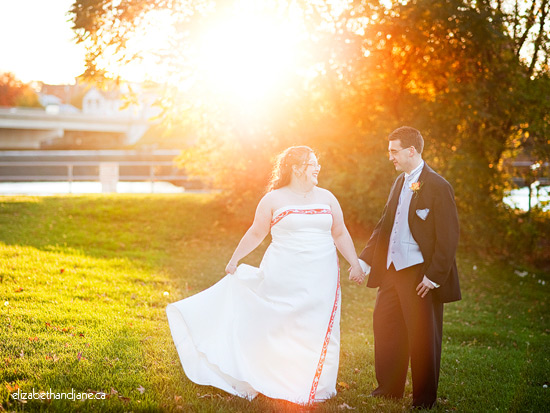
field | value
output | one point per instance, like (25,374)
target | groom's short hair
(408,137)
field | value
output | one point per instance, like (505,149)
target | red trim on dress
(299,211)
(325,344)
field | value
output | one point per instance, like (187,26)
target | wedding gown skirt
(273,330)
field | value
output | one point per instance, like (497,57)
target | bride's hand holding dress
(255,234)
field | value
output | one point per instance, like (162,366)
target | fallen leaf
(18,289)
(11,388)
(345,406)
(206,396)
(52,356)
(343,384)
(60,329)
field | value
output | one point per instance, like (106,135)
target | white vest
(403,250)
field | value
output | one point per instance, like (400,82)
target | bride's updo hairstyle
(295,155)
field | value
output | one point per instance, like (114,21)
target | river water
(518,198)
(86,187)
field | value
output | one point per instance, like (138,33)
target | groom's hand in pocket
(424,287)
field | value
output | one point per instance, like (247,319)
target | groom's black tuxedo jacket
(436,235)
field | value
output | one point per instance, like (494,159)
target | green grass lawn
(84,281)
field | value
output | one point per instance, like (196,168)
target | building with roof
(103,122)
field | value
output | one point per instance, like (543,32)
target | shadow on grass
(120,254)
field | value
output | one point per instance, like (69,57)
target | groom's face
(400,156)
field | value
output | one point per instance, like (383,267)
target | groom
(412,257)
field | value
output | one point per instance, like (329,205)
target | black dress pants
(407,326)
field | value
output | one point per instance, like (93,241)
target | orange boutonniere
(416,187)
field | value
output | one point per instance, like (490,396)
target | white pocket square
(423,213)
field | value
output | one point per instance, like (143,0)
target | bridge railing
(107,172)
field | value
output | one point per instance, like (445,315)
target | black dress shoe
(423,406)
(383,395)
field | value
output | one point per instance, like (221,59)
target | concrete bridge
(95,165)
(25,128)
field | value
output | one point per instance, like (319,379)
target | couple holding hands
(275,329)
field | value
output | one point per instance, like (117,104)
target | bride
(275,329)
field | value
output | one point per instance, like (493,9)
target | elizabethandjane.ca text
(50,395)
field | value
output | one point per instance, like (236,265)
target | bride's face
(311,169)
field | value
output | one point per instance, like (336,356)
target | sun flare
(248,55)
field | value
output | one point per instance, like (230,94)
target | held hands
(357,274)
(424,287)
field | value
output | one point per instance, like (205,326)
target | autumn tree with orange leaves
(13,92)
(473,76)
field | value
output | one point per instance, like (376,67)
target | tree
(467,86)
(472,75)
(13,92)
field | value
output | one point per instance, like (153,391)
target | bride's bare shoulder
(273,198)
(327,197)
(278,195)
(325,194)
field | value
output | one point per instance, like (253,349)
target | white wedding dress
(273,330)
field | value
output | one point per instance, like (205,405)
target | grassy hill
(84,281)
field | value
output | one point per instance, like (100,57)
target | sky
(37,43)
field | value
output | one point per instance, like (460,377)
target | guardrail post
(152,177)
(108,175)
(70,177)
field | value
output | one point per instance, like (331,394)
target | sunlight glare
(248,55)
(150,42)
